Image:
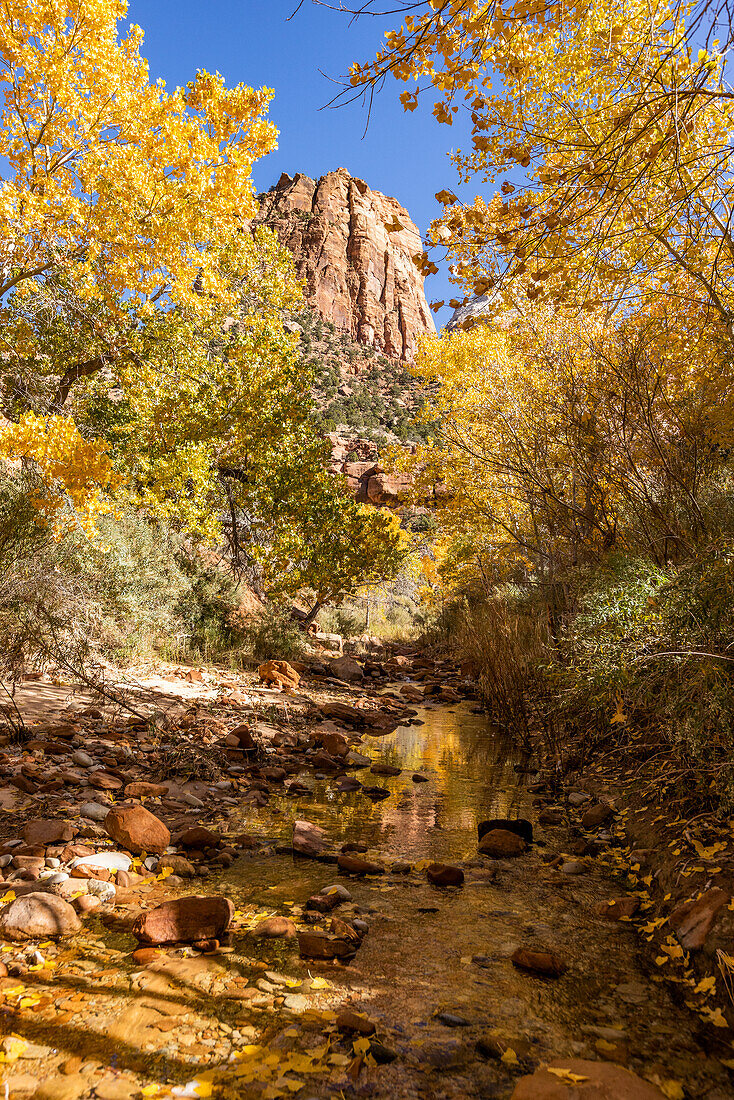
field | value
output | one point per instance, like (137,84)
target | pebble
(448,1019)
(94,811)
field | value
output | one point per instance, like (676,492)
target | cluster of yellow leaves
(555,431)
(608,128)
(109,174)
(74,471)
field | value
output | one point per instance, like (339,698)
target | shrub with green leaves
(272,634)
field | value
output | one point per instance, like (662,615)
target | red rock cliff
(357,274)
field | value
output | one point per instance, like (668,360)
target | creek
(454,1017)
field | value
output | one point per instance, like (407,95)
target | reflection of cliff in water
(470,770)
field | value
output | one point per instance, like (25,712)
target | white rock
(53,877)
(104,890)
(109,861)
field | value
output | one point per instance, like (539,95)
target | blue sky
(401,154)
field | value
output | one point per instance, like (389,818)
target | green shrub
(272,634)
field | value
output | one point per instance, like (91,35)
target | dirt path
(432,983)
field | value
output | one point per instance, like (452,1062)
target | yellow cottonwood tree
(141,319)
(122,194)
(606,129)
(558,440)
(111,176)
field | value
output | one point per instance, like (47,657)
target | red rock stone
(278,673)
(693,920)
(325,763)
(354,865)
(319,945)
(597,815)
(444,874)
(353,1022)
(336,744)
(87,903)
(544,963)
(51,831)
(145,790)
(275,928)
(324,903)
(501,844)
(243,736)
(137,829)
(310,840)
(600,1081)
(144,955)
(185,920)
(199,837)
(103,781)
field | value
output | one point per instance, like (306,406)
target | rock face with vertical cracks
(357,275)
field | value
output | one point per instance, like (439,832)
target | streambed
(453,1016)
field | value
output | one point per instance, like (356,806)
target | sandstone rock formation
(357,275)
(357,459)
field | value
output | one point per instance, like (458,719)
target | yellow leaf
(509,1057)
(673,1090)
(566,1075)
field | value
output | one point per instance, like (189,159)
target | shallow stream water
(434,971)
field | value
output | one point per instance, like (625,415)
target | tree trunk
(312,614)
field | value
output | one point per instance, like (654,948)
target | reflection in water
(470,768)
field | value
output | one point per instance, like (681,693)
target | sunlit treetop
(606,129)
(109,174)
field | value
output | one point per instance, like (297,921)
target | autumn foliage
(145,356)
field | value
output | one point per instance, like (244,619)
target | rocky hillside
(365,311)
(358,273)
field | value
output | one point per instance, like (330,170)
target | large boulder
(578,1079)
(347,669)
(280,674)
(137,829)
(501,844)
(185,920)
(38,916)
